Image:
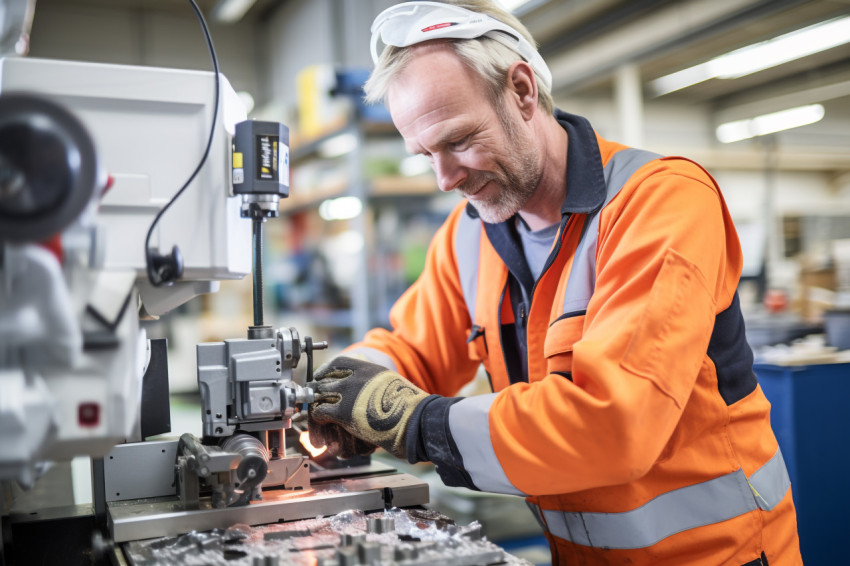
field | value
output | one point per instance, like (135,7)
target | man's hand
(369,401)
(339,441)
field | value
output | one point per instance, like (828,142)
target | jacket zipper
(475,333)
(523,313)
(551,259)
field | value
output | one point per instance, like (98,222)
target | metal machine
(90,154)
(66,126)
(99,228)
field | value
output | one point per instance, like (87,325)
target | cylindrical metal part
(381,525)
(190,447)
(304,395)
(369,552)
(257,244)
(49,167)
(347,556)
(406,553)
(260,332)
(266,206)
(351,539)
(254,465)
(289,346)
(275,444)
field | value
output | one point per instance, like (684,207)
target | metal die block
(347,556)
(381,525)
(139,470)
(292,472)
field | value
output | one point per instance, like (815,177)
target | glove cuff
(414,443)
(429,439)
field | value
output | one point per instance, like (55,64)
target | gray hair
(487,57)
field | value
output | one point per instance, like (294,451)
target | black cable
(170,269)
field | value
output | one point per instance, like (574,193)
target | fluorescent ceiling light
(414,165)
(231,11)
(759,56)
(341,208)
(769,123)
(338,145)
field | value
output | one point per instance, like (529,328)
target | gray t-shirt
(536,245)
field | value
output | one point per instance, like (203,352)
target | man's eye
(460,144)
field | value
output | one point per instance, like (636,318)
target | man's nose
(450,173)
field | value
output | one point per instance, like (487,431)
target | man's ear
(522,85)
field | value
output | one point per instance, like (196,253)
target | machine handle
(309,346)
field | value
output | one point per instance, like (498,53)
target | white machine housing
(150,127)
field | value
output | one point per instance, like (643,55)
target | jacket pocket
(671,339)
(559,343)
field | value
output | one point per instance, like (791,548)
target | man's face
(486,153)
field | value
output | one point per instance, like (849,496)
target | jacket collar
(585,180)
(585,193)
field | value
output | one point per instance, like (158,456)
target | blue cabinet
(810,414)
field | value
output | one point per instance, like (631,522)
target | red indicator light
(88,414)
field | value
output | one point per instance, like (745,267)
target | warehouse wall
(265,56)
(793,174)
(301,34)
(139,36)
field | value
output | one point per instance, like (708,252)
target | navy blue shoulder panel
(731,354)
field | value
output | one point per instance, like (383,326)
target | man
(597,285)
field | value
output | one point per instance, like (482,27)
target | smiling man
(596,283)
(484,151)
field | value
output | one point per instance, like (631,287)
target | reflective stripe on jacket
(641,435)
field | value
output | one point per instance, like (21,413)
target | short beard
(518,179)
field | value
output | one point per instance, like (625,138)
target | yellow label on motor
(237,160)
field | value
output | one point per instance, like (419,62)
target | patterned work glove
(339,441)
(371,402)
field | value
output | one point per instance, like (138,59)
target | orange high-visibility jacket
(641,435)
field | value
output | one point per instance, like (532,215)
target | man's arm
(430,324)
(427,345)
(668,261)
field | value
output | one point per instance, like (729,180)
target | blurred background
(757,91)
(687,78)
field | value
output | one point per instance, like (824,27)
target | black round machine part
(48,168)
